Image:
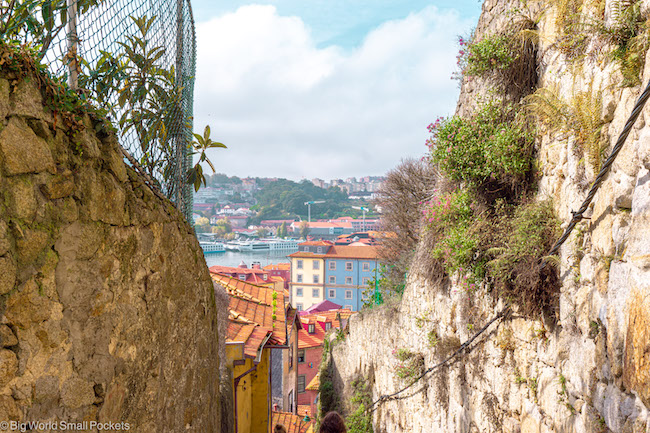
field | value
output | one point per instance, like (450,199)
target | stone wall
(107,310)
(586,372)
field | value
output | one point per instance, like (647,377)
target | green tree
(282,231)
(222,227)
(304,229)
(262,232)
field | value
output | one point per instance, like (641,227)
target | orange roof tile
(316,243)
(352,252)
(251,314)
(307,340)
(292,422)
(278,267)
(304,409)
(314,384)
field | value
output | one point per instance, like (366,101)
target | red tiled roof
(304,409)
(352,252)
(307,255)
(316,243)
(314,384)
(305,339)
(292,422)
(278,267)
(251,314)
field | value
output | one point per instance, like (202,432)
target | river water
(234,258)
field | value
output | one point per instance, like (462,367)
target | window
(311,328)
(242,277)
(349,307)
(366,266)
(348,266)
(299,278)
(299,291)
(331,293)
(299,264)
(366,280)
(319,249)
(316,264)
(332,265)
(265,277)
(291,400)
(315,279)
(301,356)
(301,384)
(299,307)
(348,294)
(315,293)
(290,356)
(328,326)
(348,280)
(332,279)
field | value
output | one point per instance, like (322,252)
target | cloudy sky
(324,88)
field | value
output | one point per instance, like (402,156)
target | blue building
(348,272)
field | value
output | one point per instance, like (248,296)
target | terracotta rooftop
(304,409)
(278,267)
(292,422)
(314,384)
(352,252)
(316,243)
(318,319)
(250,318)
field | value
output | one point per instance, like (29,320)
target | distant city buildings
(322,271)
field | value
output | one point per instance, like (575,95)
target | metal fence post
(73,79)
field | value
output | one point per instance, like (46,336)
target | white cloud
(290,109)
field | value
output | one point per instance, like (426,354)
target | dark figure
(279,429)
(332,423)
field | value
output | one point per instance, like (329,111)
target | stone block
(5,241)
(26,306)
(7,274)
(26,100)
(7,337)
(59,186)
(8,366)
(46,389)
(22,200)
(636,371)
(4,98)
(76,393)
(9,411)
(22,151)
(31,245)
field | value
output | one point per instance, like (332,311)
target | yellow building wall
(253,393)
(308,272)
(261,403)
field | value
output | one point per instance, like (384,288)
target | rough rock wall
(107,310)
(589,372)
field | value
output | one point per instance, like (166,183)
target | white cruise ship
(263,245)
(212,247)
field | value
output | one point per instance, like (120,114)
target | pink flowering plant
(410,365)
(492,145)
(489,54)
(451,216)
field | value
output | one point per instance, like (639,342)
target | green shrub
(411,364)
(515,268)
(360,420)
(492,145)
(454,221)
(630,37)
(495,52)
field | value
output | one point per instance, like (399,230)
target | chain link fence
(136,59)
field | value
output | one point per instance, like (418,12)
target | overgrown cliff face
(107,310)
(587,369)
